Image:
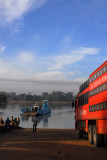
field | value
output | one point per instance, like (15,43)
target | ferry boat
(36,109)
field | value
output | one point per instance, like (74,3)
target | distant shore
(34,102)
(48,144)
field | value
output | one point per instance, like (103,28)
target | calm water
(62,116)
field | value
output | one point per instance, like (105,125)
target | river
(61,117)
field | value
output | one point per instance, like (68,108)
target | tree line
(3,98)
(54,96)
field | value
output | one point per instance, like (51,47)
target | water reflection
(24,118)
(43,118)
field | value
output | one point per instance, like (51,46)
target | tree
(45,95)
(3,98)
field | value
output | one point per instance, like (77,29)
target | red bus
(91,107)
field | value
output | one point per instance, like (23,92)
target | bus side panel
(86,129)
(102,126)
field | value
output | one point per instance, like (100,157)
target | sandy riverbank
(47,144)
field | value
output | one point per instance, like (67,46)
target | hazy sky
(48,45)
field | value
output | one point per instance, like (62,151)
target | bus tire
(80,134)
(105,140)
(97,138)
(90,134)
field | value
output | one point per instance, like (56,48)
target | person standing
(7,124)
(35,125)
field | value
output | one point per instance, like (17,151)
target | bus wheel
(97,138)
(90,134)
(80,134)
(105,140)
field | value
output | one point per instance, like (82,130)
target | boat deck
(25,114)
(29,114)
(33,113)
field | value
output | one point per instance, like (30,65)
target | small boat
(36,109)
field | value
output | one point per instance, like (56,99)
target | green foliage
(3,98)
(60,96)
(54,96)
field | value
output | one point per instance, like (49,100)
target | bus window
(89,108)
(104,87)
(90,80)
(89,94)
(100,88)
(101,106)
(100,71)
(94,91)
(97,90)
(94,107)
(104,105)
(104,69)
(97,107)
(97,74)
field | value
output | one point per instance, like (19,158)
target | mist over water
(61,116)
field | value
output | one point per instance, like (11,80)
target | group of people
(15,122)
(10,123)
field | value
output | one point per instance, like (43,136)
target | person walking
(35,125)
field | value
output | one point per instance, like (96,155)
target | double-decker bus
(91,107)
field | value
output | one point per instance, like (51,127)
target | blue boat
(44,109)
(36,109)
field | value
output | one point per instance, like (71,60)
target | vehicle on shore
(36,109)
(91,107)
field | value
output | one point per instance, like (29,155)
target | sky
(50,45)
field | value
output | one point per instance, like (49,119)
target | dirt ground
(47,144)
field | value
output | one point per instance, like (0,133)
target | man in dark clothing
(35,125)
(7,123)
